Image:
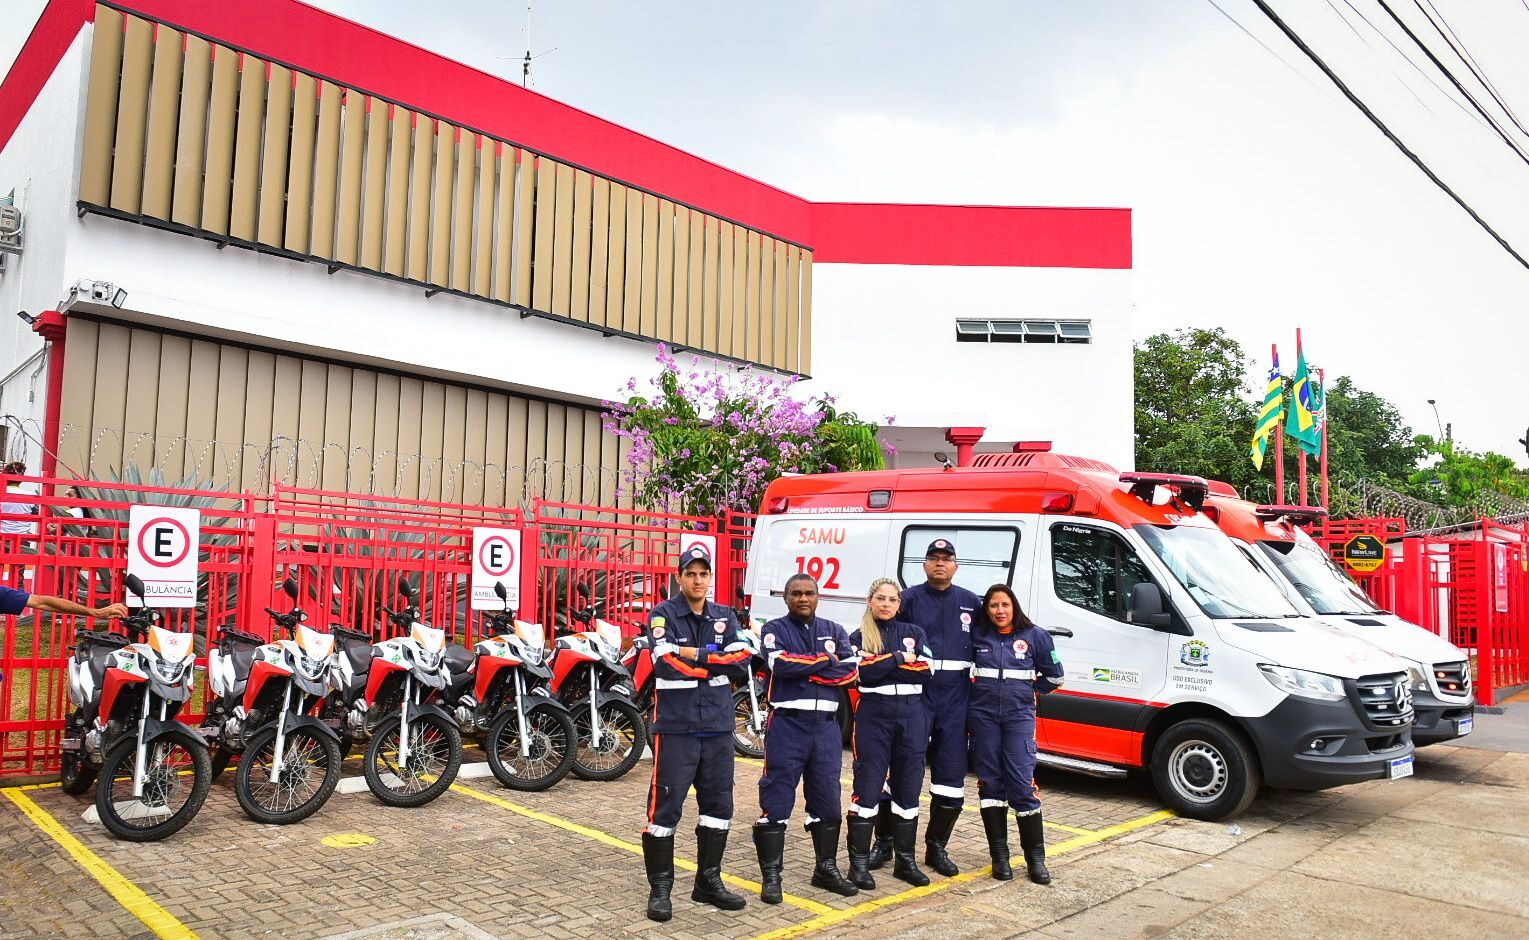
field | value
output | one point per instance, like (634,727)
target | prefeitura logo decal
(1195,653)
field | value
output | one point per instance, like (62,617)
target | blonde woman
(891,734)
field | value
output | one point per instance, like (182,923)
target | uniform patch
(769,641)
(966,618)
(721,627)
(657,622)
(1021,647)
(1055,656)
(828,646)
(658,630)
(909,643)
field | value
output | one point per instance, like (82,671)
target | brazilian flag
(1305,425)
(1268,417)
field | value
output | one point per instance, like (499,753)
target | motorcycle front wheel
(551,744)
(435,755)
(310,769)
(178,774)
(746,741)
(623,735)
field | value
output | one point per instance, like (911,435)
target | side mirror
(499,591)
(404,587)
(289,587)
(1060,631)
(134,584)
(1147,606)
(582,590)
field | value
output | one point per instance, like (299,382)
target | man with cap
(945,611)
(697,654)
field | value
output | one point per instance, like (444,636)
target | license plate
(1401,767)
(1464,725)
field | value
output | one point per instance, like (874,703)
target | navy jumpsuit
(946,617)
(891,720)
(809,664)
(1008,670)
(693,712)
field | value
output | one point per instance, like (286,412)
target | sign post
(1364,553)
(162,551)
(496,557)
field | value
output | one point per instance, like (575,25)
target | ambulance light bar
(1300,515)
(1190,489)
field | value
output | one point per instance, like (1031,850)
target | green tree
(1194,407)
(1488,483)
(1366,437)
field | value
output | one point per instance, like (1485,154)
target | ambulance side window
(986,554)
(1094,569)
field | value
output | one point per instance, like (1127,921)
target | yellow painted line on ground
(605,838)
(840,916)
(924,801)
(132,898)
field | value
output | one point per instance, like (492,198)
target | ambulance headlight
(1306,684)
(1417,676)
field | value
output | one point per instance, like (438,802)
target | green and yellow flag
(1268,417)
(1305,405)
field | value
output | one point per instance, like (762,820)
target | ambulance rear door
(844,553)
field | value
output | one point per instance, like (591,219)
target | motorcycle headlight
(311,668)
(1306,684)
(168,671)
(428,659)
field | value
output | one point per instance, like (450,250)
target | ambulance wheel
(1203,769)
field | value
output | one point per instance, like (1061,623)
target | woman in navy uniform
(810,660)
(696,656)
(891,734)
(1013,660)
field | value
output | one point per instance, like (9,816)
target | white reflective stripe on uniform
(712,822)
(981,673)
(676,683)
(720,680)
(770,659)
(901,688)
(660,832)
(988,804)
(664,648)
(905,813)
(936,789)
(735,647)
(949,665)
(809,704)
(865,811)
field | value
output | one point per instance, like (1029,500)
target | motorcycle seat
(243,658)
(98,655)
(360,655)
(458,658)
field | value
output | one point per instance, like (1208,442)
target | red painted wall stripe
(361,57)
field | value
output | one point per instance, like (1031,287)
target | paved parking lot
(485,862)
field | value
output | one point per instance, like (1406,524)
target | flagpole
(1322,383)
(1279,440)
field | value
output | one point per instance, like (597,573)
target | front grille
(1388,743)
(1385,699)
(1453,679)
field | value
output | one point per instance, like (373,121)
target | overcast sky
(1262,199)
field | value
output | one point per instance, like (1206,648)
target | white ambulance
(1439,672)
(1182,659)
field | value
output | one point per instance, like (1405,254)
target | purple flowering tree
(703,441)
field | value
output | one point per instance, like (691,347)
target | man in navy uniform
(697,654)
(810,661)
(14,602)
(945,611)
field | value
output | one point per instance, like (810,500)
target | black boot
(709,889)
(858,845)
(943,813)
(770,843)
(995,823)
(881,849)
(658,859)
(1032,839)
(904,832)
(825,844)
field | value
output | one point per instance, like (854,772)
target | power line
(1381,126)
(1371,46)
(1267,48)
(1458,47)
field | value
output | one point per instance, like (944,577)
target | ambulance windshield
(1325,588)
(1221,579)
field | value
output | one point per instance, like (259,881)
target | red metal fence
(345,551)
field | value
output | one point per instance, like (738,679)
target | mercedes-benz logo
(1403,697)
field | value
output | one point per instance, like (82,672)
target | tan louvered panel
(555,452)
(562,243)
(440,213)
(101,99)
(396,205)
(496,425)
(363,423)
(222,124)
(312,380)
(432,434)
(793,309)
(583,197)
(385,433)
(164,117)
(259,407)
(482,233)
(609,462)
(353,154)
(806,341)
(461,208)
(274,162)
(590,457)
(454,440)
(615,268)
(515,453)
(407,245)
(300,196)
(191,133)
(525,225)
(170,404)
(252,88)
(411,399)
(631,282)
(475,427)
(766,328)
(778,302)
(285,400)
(664,310)
(648,302)
(681,318)
(544,209)
(326,171)
(337,462)
(535,458)
(740,278)
(132,116)
(228,425)
(710,339)
(110,402)
(694,271)
(504,220)
(375,185)
(725,288)
(751,290)
(142,396)
(79,392)
(202,458)
(599,248)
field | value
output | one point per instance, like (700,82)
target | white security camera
(101,292)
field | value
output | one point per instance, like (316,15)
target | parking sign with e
(161,551)
(496,557)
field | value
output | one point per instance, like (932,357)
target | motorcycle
(385,694)
(588,677)
(265,693)
(152,772)
(498,690)
(750,707)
